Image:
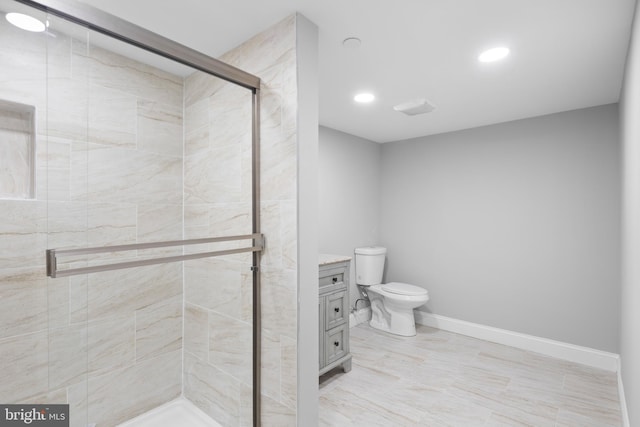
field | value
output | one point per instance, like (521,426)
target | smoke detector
(351,43)
(415,107)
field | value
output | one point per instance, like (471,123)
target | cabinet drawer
(335,313)
(332,280)
(336,344)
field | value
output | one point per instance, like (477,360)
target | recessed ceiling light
(364,97)
(26,22)
(495,54)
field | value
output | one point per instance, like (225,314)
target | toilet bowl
(392,304)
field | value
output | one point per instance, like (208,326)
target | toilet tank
(370,265)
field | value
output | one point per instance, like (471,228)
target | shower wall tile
(59,54)
(230,116)
(124,176)
(289,122)
(67,355)
(196,141)
(53,168)
(278,166)
(125,393)
(230,219)
(289,212)
(275,413)
(23,305)
(117,293)
(160,127)
(196,215)
(271,361)
(121,175)
(246,292)
(158,328)
(19,45)
(79,174)
(271,225)
(230,346)
(200,86)
(54,184)
(215,284)
(133,77)
(246,406)
(279,301)
(58,301)
(77,400)
(159,222)
(212,176)
(67,224)
(109,170)
(289,387)
(16,150)
(112,117)
(53,152)
(112,344)
(212,390)
(27,357)
(111,224)
(22,238)
(53,397)
(196,114)
(78,298)
(66,109)
(271,56)
(196,331)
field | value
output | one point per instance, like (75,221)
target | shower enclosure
(132,163)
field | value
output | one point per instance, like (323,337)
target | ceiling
(565,54)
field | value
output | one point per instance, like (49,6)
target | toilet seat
(403,289)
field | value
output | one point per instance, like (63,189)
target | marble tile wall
(109,167)
(217,340)
(17,150)
(112,169)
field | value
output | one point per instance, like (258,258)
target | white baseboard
(570,352)
(623,401)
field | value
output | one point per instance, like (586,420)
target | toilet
(392,304)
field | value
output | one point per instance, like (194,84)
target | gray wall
(349,187)
(515,225)
(630,319)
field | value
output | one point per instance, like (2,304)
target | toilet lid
(403,289)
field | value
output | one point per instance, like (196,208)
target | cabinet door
(335,309)
(321,332)
(336,344)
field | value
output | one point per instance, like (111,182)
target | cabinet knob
(336,343)
(335,280)
(337,309)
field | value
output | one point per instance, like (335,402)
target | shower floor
(177,413)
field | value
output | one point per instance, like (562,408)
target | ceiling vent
(415,107)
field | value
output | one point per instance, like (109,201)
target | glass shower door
(127,149)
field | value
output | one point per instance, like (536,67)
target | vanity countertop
(324,259)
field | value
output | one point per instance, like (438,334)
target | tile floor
(442,379)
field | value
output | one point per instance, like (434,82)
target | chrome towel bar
(53,254)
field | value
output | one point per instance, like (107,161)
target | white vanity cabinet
(334,313)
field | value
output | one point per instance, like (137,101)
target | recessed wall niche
(17,150)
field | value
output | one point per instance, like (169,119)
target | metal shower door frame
(107,24)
